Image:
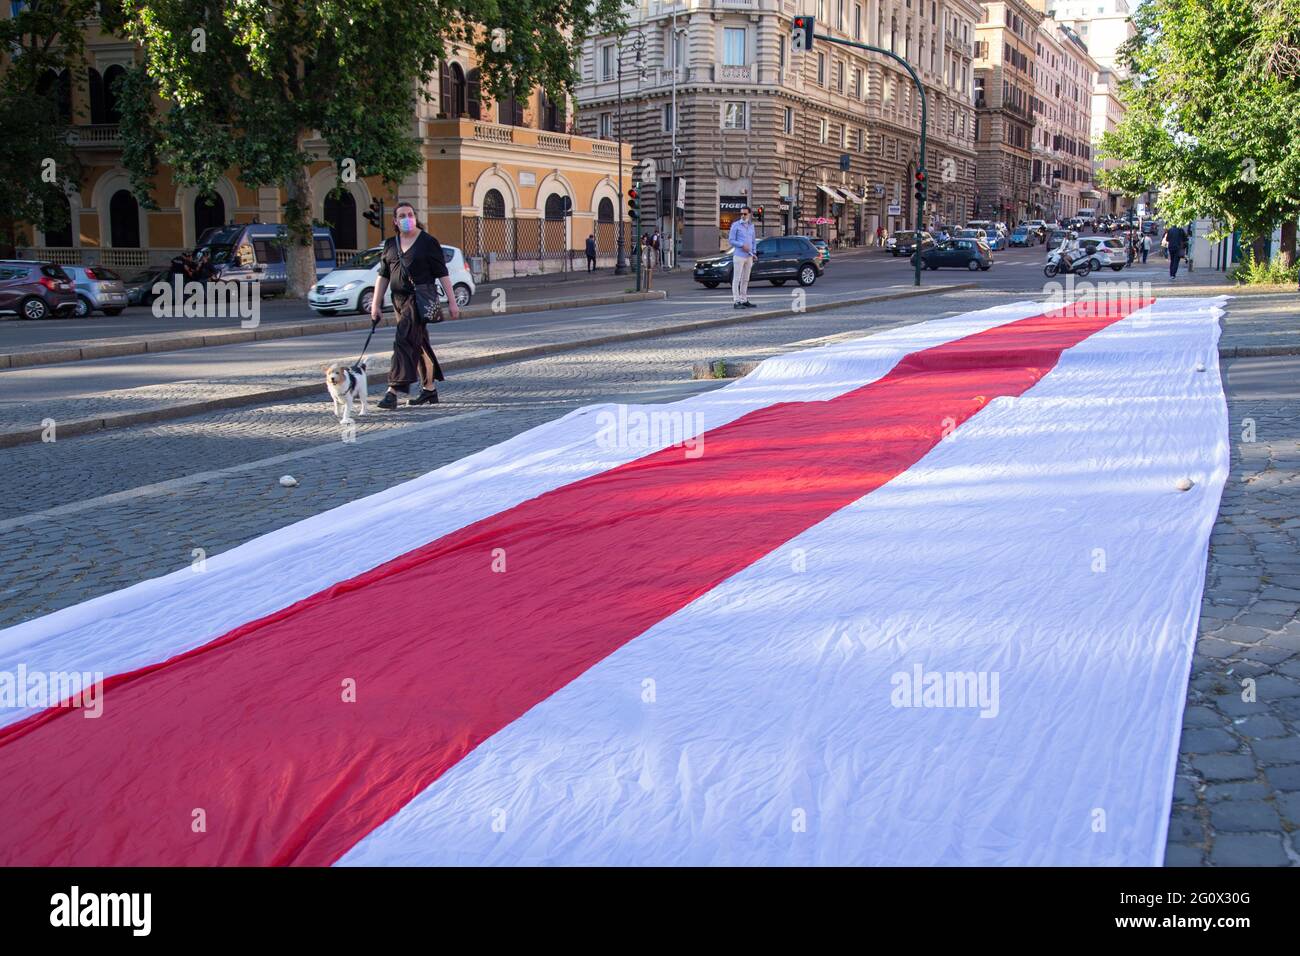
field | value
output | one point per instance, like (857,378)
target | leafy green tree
(1213,114)
(37,163)
(246,83)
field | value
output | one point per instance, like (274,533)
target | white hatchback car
(351,288)
(1106,252)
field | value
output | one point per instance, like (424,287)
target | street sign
(895,209)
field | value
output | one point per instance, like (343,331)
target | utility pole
(802,35)
(672,160)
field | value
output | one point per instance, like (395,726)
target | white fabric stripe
(156,619)
(772,694)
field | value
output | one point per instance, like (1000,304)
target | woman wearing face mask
(412,257)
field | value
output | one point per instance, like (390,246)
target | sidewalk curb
(141,345)
(83,426)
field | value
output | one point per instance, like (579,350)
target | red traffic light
(798,22)
(631,194)
(920,176)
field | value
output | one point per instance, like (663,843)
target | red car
(35,289)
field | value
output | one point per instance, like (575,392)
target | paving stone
(1277,749)
(1185,828)
(1213,647)
(1177,854)
(1184,791)
(1221,767)
(1267,655)
(1248,849)
(1288,804)
(1238,816)
(1271,687)
(1201,716)
(1242,634)
(1272,622)
(1236,791)
(1283,778)
(1234,706)
(1260,726)
(1208,740)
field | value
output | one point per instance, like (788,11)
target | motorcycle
(1075,261)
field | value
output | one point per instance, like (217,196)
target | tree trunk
(1288,243)
(1259,248)
(299,251)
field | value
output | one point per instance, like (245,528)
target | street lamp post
(620,264)
(922,172)
(672,160)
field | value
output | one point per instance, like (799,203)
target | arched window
(60,236)
(605,211)
(457,91)
(341,214)
(552,113)
(554,206)
(209,211)
(124,220)
(58,86)
(494,205)
(95,87)
(111,75)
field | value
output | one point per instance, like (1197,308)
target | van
(247,251)
(1086,214)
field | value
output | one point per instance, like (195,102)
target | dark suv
(778,259)
(35,289)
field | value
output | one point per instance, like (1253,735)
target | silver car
(99,289)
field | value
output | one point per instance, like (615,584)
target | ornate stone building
(758,123)
(1061,168)
(1004,91)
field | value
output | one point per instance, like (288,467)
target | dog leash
(373,325)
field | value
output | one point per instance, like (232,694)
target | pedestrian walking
(1146,248)
(1175,241)
(412,258)
(741,238)
(648,258)
(591,252)
(880,235)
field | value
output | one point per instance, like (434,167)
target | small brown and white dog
(347,384)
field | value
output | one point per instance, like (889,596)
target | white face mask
(406,223)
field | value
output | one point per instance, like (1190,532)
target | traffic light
(375,214)
(920,188)
(758,214)
(633,205)
(801,32)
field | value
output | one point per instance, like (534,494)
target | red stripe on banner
(244,751)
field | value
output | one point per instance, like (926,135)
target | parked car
(1106,252)
(959,253)
(824,248)
(248,251)
(99,289)
(139,288)
(778,259)
(1023,236)
(904,243)
(36,289)
(352,288)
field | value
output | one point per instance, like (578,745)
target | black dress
(424,262)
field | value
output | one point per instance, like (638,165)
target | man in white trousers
(741,238)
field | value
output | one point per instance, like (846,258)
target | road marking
(185,481)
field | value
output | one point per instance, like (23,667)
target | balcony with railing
(521,138)
(95,136)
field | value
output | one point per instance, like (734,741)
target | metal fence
(534,239)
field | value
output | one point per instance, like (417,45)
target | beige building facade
(1061,161)
(507,181)
(1007,41)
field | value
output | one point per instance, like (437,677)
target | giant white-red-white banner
(925,597)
